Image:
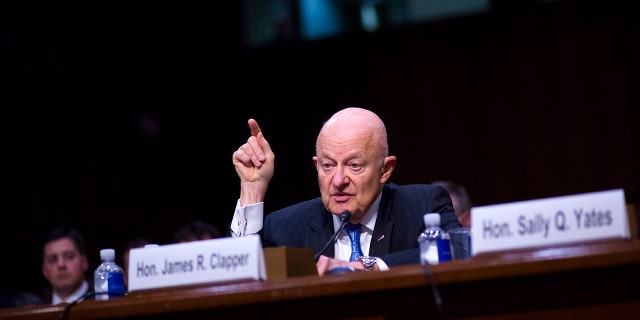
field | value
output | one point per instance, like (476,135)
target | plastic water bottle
(108,277)
(433,241)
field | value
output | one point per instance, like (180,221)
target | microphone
(345,216)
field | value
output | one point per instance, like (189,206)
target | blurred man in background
(461,201)
(65,265)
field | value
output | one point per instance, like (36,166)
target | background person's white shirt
(55,299)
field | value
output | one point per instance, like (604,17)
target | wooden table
(594,280)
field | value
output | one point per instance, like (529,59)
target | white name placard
(196,262)
(574,218)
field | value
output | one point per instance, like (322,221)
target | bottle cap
(108,254)
(431,219)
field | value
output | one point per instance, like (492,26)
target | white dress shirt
(55,299)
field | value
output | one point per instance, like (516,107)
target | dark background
(528,100)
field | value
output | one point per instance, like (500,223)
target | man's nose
(339,178)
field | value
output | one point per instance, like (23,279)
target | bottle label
(444,250)
(116,284)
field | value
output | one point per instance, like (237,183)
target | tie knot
(353,227)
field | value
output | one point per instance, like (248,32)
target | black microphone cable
(345,216)
(65,311)
(86,295)
(436,292)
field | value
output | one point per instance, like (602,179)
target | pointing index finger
(255,128)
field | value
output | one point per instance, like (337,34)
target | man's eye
(69,255)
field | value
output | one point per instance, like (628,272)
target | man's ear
(45,272)
(388,165)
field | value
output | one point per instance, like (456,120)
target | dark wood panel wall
(526,101)
(514,104)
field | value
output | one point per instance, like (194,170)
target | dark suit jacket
(400,220)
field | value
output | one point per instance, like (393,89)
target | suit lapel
(381,239)
(320,231)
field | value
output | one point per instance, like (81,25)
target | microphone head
(345,216)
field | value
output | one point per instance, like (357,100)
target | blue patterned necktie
(354,234)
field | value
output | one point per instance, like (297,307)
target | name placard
(196,262)
(582,217)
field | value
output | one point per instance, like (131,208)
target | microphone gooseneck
(345,216)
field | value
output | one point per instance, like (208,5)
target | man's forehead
(59,246)
(338,154)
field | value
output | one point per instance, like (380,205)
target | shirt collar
(55,299)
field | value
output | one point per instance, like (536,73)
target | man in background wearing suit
(65,265)
(354,166)
(460,198)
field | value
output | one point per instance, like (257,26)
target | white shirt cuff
(383,266)
(247,219)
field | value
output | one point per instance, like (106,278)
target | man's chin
(67,285)
(338,211)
